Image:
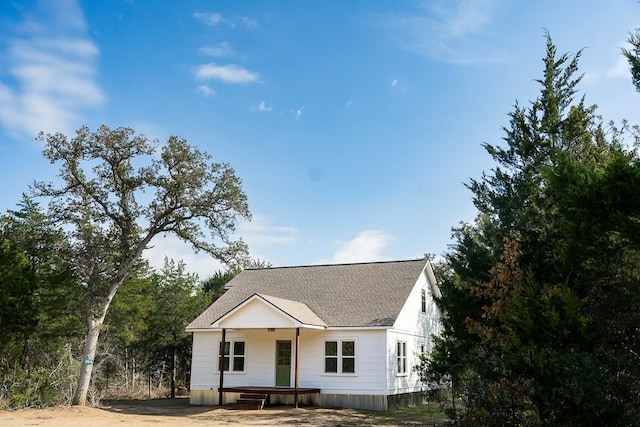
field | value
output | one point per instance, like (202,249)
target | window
(402,357)
(424,301)
(348,357)
(340,357)
(234,352)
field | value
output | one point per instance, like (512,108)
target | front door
(283,363)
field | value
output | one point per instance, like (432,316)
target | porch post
(297,365)
(221,364)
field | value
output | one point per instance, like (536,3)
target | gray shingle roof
(365,294)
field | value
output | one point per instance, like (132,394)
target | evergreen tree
(47,291)
(39,305)
(177,300)
(521,332)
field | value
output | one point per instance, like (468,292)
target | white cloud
(262,107)
(619,70)
(394,83)
(298,112)
(462,18)
(248,22)
(66,13)
(221,49)
(367,246)
(212,19)
(205,90)
(450,31)
(52,63)
(230,73)
(173,248)
(260,231)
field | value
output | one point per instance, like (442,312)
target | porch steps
(251,401)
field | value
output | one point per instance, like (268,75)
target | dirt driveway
(179,413)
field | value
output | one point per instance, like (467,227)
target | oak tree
(117,190)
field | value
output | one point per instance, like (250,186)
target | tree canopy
(118,191)
(542,293)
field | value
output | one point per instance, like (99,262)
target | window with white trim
(423,303)
(234,356)
(340,357)
(401,352)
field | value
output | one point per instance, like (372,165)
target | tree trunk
(88,354)
(25,361)
(94,323)
(126,368)
(161,374)
(173,374)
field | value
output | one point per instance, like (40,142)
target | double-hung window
(402,357)
(423,302)
(234,354)
(340,357)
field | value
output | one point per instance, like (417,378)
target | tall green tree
(633,57)
(18,311)
(214,286)
(39,310)
(599,206)
(37,282)
(120,359)
(126,322)
(177,299)
(522,330)
(118,190)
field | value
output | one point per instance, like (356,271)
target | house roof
(341,295)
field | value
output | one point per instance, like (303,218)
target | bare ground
(178,412)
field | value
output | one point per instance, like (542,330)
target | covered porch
(268,314)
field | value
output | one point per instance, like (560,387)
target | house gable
(265,311)
(411,317)
(412,333)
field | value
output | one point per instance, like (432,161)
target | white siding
(416,329)
(371,360)
(403,383)
(369,377)
(203,361)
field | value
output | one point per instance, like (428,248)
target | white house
(344,335)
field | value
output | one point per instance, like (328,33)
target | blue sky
(353,124)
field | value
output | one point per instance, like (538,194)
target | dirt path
(179,413)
